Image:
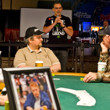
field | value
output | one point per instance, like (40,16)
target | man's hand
(90,77)
(104,48)
(57,20)
(42,108)
(106,41)
(29,108)
(55,68)
(3,99)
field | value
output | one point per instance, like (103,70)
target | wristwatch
(64,26)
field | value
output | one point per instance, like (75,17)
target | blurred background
(87,20)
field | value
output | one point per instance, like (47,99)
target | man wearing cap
(34,51)
(104,57)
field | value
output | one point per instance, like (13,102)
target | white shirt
(37,103)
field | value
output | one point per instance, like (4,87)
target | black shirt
(57,35)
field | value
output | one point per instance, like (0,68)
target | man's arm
(29,103)
(22,66)
(106,77)
(3,99)
(46,100)
(91,76)
(69,30)
(56,66)
(103,58)
(19,60)
(47,29)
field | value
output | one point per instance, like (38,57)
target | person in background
(59,28)
(106,26)
(34,51)
(104,57)
(105,30)
(37,100)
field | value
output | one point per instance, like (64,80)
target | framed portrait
(31,87)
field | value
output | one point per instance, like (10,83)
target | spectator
(59,28)
(104,31)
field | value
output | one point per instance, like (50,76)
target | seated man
(34,51)
(104,57)
(37,100)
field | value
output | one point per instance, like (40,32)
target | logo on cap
(36,30)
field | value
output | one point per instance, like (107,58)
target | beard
(40,45)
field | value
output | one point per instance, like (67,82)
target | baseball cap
(32,31)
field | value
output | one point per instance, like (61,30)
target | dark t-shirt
(57,35)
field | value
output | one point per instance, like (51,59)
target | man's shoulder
(43,93)
(23,49)
(50,16)
(45,48)
(30,95)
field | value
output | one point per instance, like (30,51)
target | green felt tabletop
(100,91)
(2,108)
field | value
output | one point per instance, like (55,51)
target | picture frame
(20,83)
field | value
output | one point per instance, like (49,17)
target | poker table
(100,91)
(2,108)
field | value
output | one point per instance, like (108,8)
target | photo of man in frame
(33,92)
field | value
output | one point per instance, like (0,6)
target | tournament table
(2,108)
(100,91)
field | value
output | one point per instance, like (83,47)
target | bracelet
(64,26)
